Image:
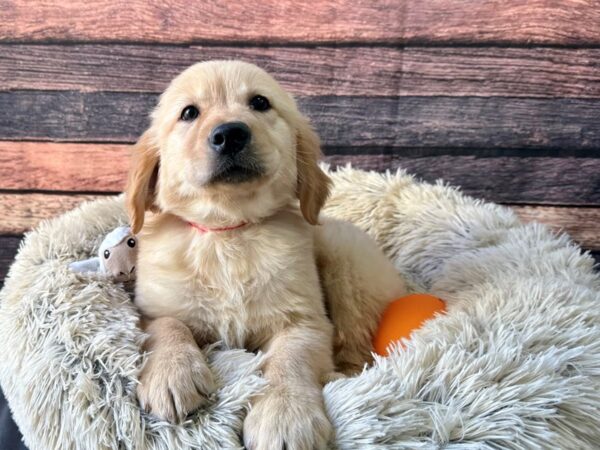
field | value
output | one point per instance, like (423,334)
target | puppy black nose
(229,138)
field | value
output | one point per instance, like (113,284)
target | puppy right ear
(141,184)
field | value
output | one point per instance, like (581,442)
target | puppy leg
(176,378)
(291,414)
(358,282)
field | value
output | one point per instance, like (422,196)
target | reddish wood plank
(509,179)
(369,71)
(63,167)
(21,212)
(176,21)
(582,224)
(342,121)
(503,21)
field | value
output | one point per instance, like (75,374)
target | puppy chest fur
(237,286)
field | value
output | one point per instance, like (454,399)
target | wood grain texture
(53,166)
(77,167)
(345,121)
(570,181)
(366,71)
(582,224)
(21,212)
(503,21)
(178,21)
(133,68)
(392,21)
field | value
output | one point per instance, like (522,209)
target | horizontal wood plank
(135,68)
(571,181)
(346,121)
(582,224)
(398,21)
(21,212)
(367,71)
(78,167)
(63,167)
(499,71)
(503,21)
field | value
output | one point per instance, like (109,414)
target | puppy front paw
(286,419)
(175,382)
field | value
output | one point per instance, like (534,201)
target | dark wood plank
(425,122)
(77,167)
(135,68)
(8,249)
(498,71)
(368,71)
(571,181)
(398,21)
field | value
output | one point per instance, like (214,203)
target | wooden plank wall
(499,97)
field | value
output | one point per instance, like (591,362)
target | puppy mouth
(233,170)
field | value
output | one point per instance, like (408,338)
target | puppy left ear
(313,184)
(141,184)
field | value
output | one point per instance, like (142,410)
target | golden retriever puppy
(230,250)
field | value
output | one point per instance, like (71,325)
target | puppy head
(226,144)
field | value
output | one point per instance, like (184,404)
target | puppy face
(226,144)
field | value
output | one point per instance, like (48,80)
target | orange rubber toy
(404,315)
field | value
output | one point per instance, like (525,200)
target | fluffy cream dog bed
(514,364)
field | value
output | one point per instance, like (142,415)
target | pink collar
(203,229)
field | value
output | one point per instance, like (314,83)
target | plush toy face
(118,253)
(116,256)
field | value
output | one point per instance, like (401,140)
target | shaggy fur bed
(514,364)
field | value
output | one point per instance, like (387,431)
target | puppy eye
(259,103)
(189,113)
(106,254)
(131,242)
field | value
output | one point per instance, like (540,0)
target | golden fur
(257,286)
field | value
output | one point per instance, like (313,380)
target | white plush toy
(116,256)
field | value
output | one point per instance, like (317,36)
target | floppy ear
(141,185)
(86,266)
(313,185)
